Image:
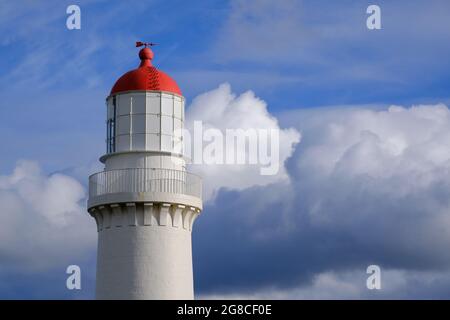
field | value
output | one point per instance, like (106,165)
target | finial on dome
(145,77)
(145,54)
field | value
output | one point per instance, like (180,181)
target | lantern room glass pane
(123,125)
(166,125)
(177,124)
(177,108)
(153,104)
(123,143)
(166,143)
(153,142)
(123,104)
(167,106)
(111,125)
(138,123)
(138,104)
(138,141)
(182,110)
(153,123)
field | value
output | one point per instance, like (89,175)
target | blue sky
(316,67)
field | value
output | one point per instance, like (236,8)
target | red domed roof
(145,77)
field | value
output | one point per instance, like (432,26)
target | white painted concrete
(144,252)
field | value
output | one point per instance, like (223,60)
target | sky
(364,135)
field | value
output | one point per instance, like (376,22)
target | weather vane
(146,44)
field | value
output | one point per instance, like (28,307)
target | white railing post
(145,180)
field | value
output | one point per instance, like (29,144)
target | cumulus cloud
(367,187)
(380,170)
(221,110)
(43,223)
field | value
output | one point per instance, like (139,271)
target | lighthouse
(145,201)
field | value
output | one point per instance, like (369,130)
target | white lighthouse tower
(144,202)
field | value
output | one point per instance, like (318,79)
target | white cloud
(222,110)
(381,178)
(396,153)
(367,186)
(43,223)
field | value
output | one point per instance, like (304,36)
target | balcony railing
(137,180)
